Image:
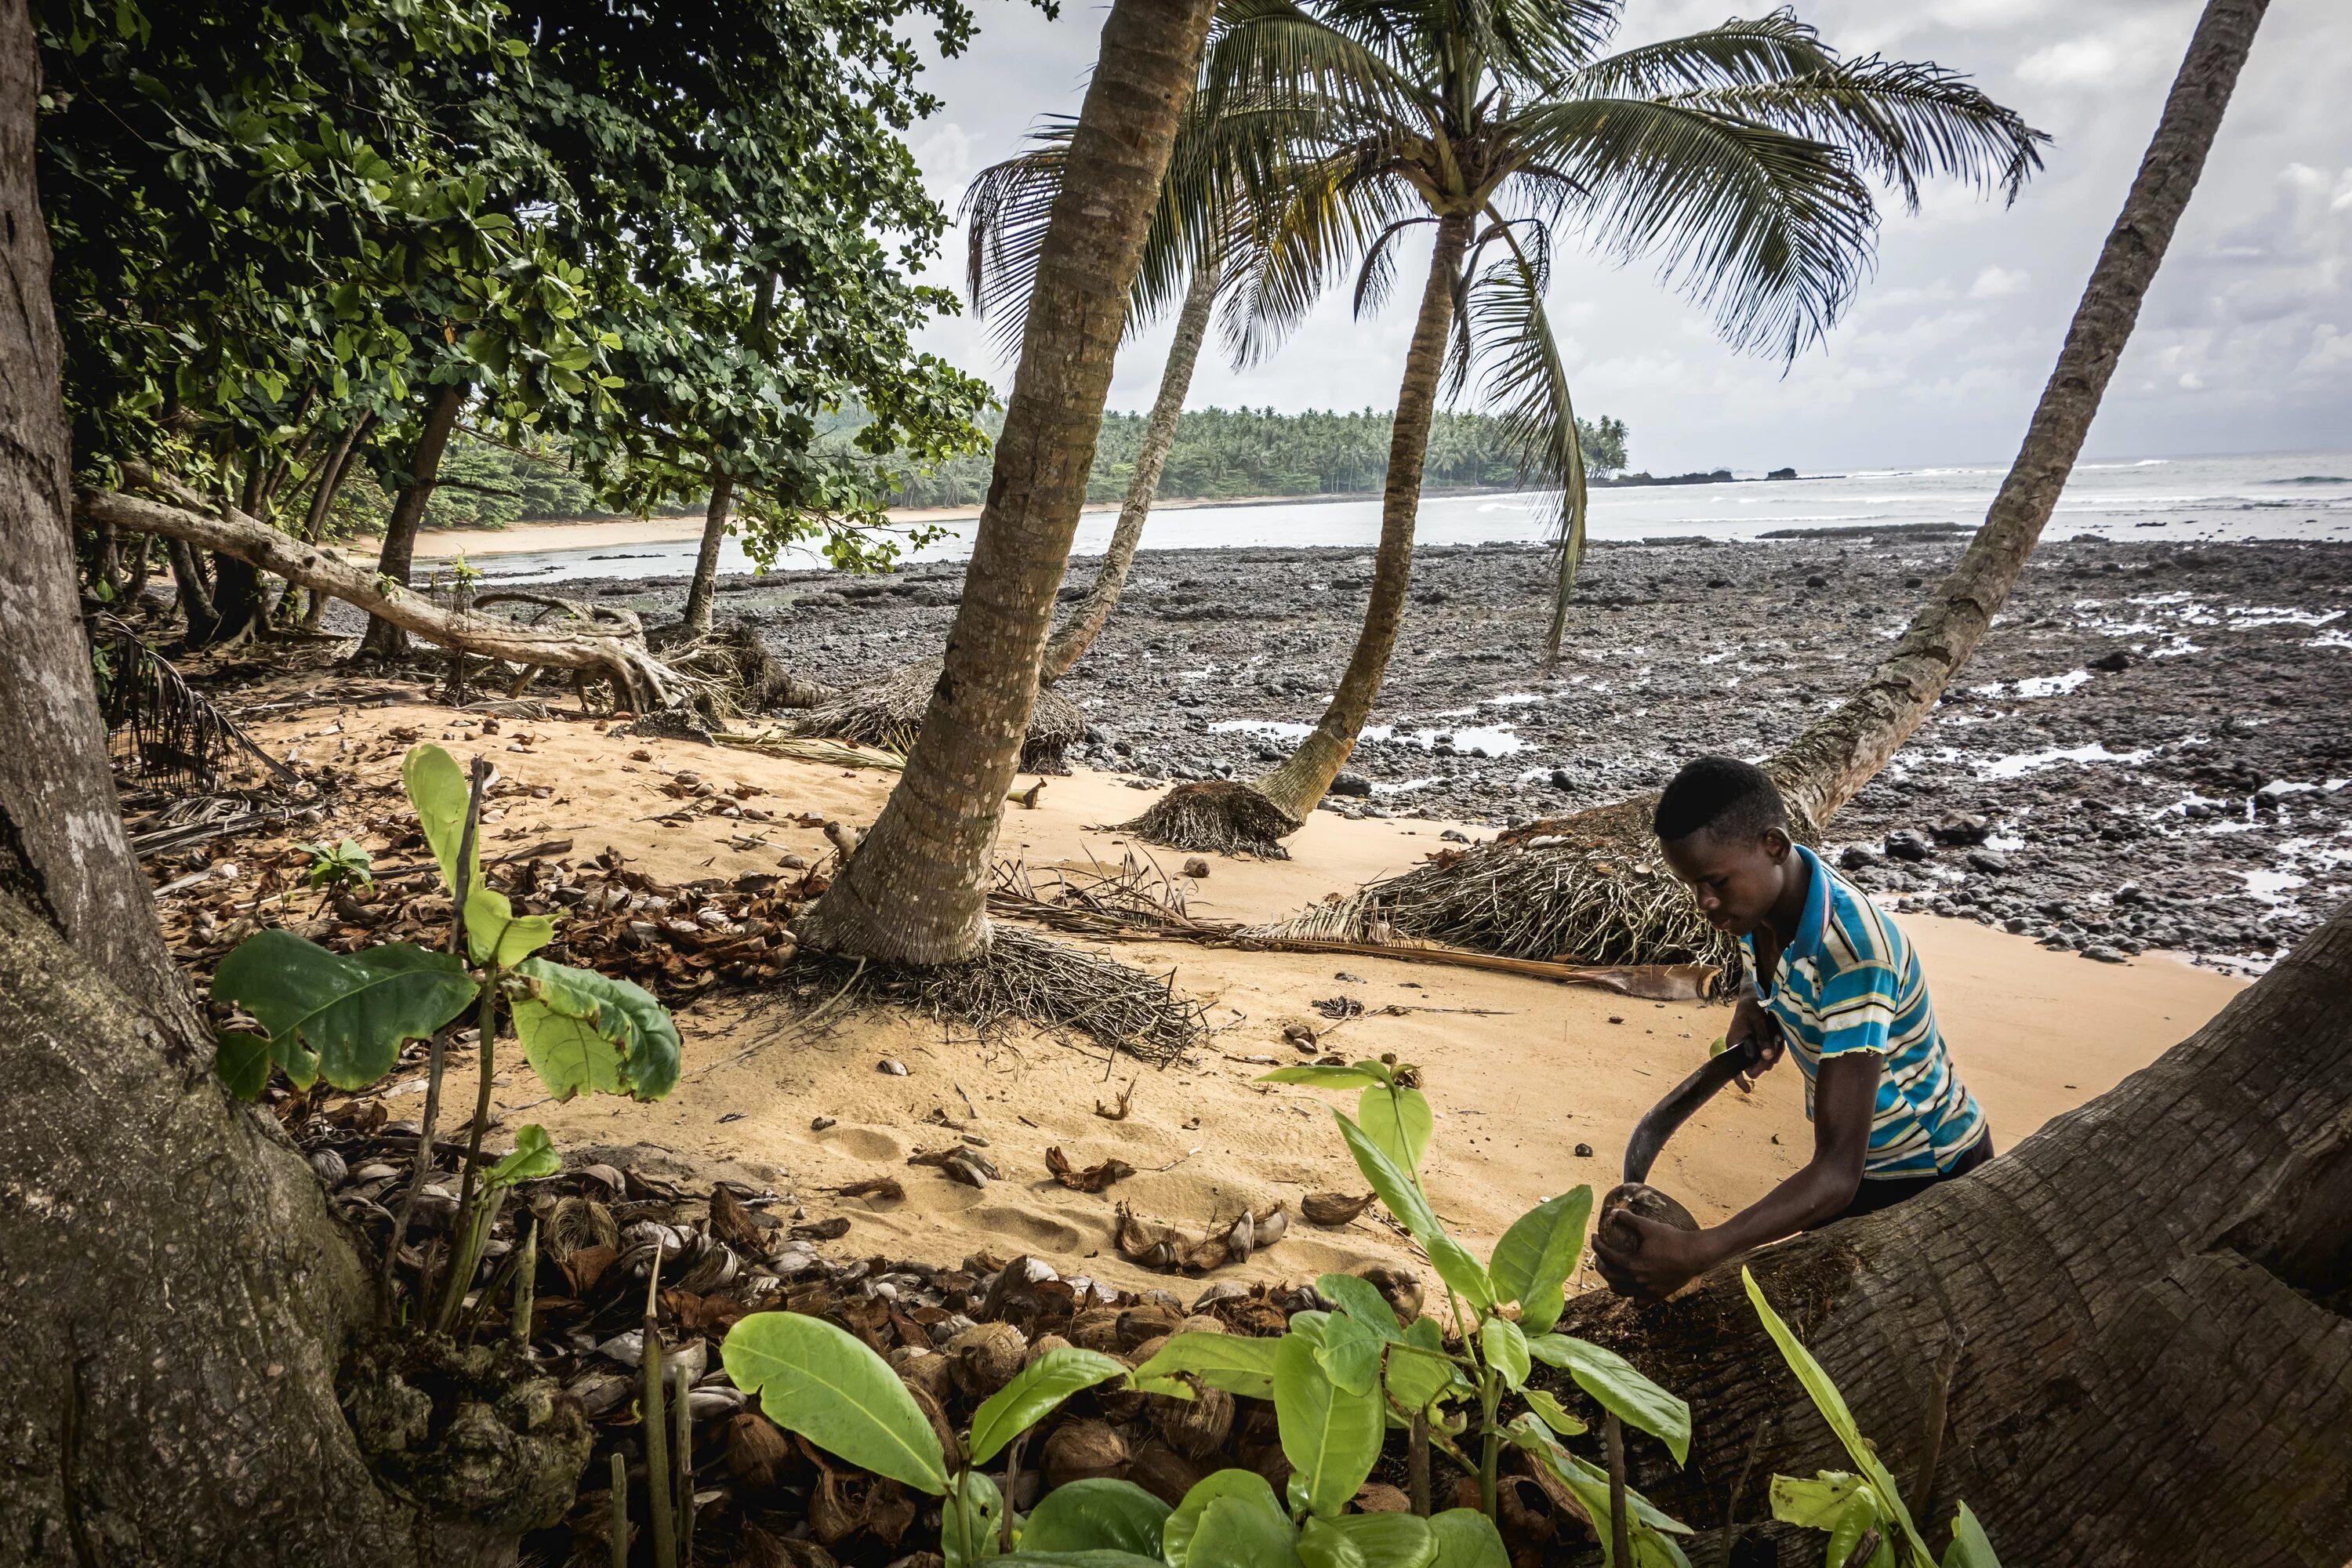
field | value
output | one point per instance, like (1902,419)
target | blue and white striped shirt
(1848,980)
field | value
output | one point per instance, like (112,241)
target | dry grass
(1218,816)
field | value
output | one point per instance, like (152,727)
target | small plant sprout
(344,1018)
(344,866)
(1863,1512)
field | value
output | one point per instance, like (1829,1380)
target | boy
(1890,1116)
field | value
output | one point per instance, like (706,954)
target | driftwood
(612,646)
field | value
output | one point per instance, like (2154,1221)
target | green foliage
(1239,1491)
(534,1159)
(345,865)
(1330,1435)
(1098,1514)
(827,1385)
(586,1031)
(1244,1367)
(339,1017)
(1036,1390)
(1850,1506)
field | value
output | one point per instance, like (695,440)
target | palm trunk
(705,585)
(384,639)
(915,892)
(1298,783)
(1826,765)
(1070,644)
(2123,1342)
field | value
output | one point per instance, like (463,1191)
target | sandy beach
(1522,1072)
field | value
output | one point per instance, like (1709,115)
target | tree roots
(1588,889)
(889,714)
(1023,975)
(1219,816)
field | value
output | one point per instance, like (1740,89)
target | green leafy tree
(1739,159)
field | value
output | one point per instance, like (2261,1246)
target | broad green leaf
(438,788)
(1386,1540)
(1331,1437)
(1033,1395)
(492,928)
(1506,1349)
(1247,1487)
(582,1030)
(1419,1374)
(1537,1253)
(1349,1354)
(1097,1514)
(1321,1546)
(1588,1481)
(342,1016)
(1405,1200)
(1552,1414)
(1813,1504)
(1399,1119)
(1467,1538)
(1971,1547)
(1098,1559)
(1612,1381)
(969,1519)
(1832,1405)
(1236,1534)
(1360,1300)
(1321,1078)
(1859,1518)
(534,1159)
(1239,1365)
(822,1383)
(242,1059)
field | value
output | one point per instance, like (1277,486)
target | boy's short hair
(1722,796)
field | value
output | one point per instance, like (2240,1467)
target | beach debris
(822,1230)
(820,1123)
(1116,1112)
(958,1161)
(1341,1007)
(1093,1179)
(891,1065)
(1027,798)
(1196,867)
(1334,1208)
(874,1189)
(1166,1248)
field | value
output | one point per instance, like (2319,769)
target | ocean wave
(2309,479)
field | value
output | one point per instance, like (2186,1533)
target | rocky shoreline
(2147,752)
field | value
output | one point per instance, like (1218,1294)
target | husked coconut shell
(1640,1199)
(1201,1323)
(1194,1427)
(1164,1473)
(756,1450)
(1042,1343)
(927,1370)
(1084,1450)
(986,1357)
(1400,1288)
(1147,1321)
(1097,1329)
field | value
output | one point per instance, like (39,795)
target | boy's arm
(1845,1099)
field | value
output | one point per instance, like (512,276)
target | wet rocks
(1906,844)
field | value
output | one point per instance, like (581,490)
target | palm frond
(1772,47)
(1526,388)
(1377,274)
(1547,41)
(1768,230)
(1006,211)
(1275,51)
(1327,216)
(1902,121)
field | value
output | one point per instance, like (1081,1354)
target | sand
(1535,1070)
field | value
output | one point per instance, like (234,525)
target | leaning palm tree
(1588,886)
(915,892)
(1739,159)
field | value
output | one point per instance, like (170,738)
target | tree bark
(1300,781)
(705,586)
(56,785)
(2123,1342)
(385,637)
(916,891)
(616,651)
(1826,765)
(1070,644)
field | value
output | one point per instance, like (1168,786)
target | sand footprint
(859,1142)
(1036,1230)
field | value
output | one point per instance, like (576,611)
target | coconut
(1201,1324)
(1194,1427)
(1097,1329)
(1164,1473)
(755,1450)
(1084,1450)
(927,1370)
(985,1357)
(1044,1342)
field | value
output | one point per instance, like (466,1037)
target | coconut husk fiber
(889,714)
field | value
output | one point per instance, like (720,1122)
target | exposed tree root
(1587,889)
(1218,816)
(1024,976)
(889,714)
(733,653)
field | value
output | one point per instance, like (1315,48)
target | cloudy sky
(2245,345)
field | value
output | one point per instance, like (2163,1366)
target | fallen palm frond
(812,749)
(1137,901)
(163,732)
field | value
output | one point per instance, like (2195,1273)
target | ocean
(2270,496)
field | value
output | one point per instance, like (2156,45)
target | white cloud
(1999,283)
(2078,62)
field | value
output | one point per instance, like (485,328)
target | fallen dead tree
(611,643)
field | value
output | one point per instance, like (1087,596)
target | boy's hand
(1667,1259)
(1750,1021)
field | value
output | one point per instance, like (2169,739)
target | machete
(1649,1133)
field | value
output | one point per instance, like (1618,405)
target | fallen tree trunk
(618,653)
(2123,1342)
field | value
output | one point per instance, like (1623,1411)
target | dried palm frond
(162,732)
(889,714)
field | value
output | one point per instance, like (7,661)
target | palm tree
(1737,159)
(1582,885)
(915,892)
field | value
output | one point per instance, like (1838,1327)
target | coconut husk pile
(730,1246)
(889,714)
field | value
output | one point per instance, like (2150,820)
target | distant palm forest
(1224,453)
(1220,454)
